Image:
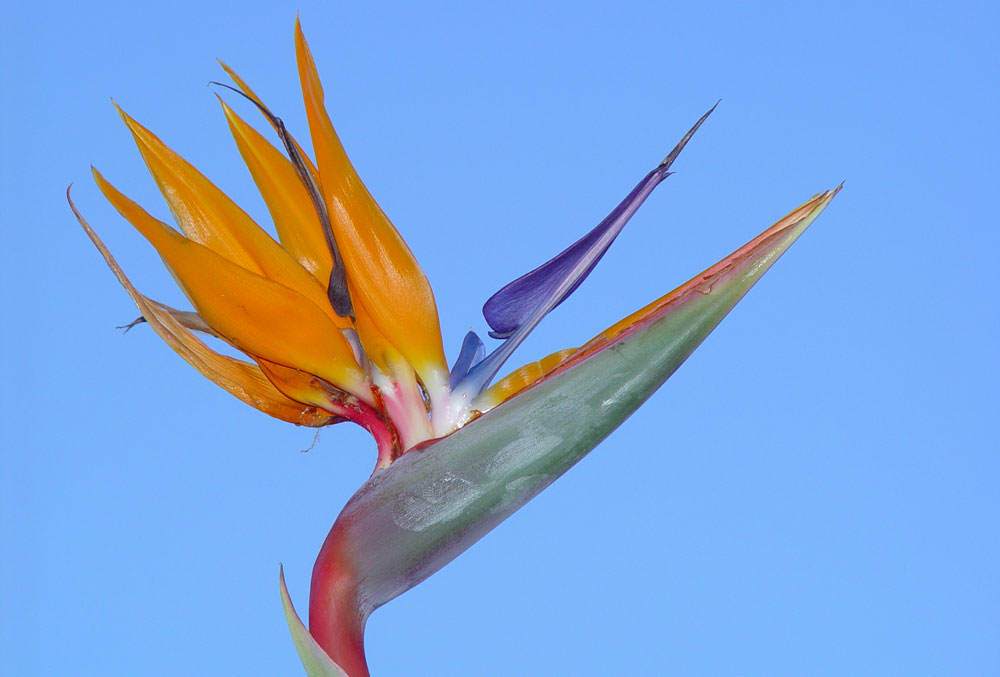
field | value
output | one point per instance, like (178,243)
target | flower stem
(336,619)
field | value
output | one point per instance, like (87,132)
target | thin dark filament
(337,291)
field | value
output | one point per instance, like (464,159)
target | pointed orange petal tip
(250,94)
(240,82)
(299,228)
(209,217)
(385,279)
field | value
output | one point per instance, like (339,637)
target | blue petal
(472,353)
(516,310)
(509,308)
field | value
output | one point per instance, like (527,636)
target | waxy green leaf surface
(414,517)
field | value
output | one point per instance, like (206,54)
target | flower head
(338,323)
(336,315)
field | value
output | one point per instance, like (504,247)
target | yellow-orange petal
(250,94)
(377,347)
(292,210)
(207,216)
(303,387)
(241,379)
(384,276)
(522,377)
(255,314)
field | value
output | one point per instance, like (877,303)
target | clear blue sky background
(817,491)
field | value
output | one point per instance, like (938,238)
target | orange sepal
(384,276)
(522,377)
(239,378)
(250,94)
(295,219)
(305,387)
(256,315)
(207,216)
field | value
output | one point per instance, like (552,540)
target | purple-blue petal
(472,352)
(507,309)
(510,307)
(514,311)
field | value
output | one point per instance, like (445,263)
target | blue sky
(815,492)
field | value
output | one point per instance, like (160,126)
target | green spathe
(417,515)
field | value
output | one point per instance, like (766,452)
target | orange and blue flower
(338,323)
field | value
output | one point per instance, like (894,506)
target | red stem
(336,620)
(375,422)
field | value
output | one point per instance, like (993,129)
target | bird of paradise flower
(340,324)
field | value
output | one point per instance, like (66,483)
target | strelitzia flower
(339,323)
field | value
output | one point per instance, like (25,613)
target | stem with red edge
(336,619)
